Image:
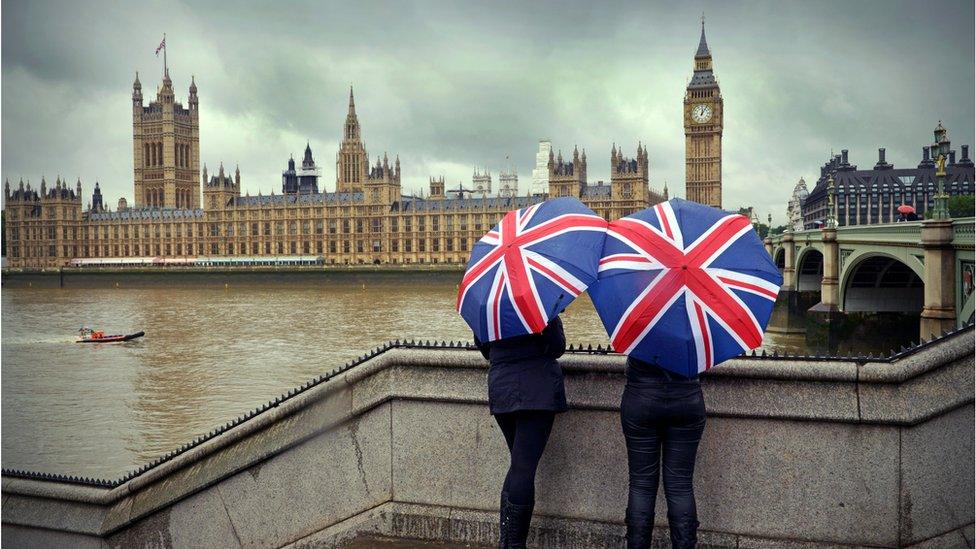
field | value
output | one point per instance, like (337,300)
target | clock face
(701,113)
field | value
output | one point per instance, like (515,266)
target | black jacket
(524,374)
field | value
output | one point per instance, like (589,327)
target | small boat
(96,336)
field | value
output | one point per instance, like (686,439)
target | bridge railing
(906,232)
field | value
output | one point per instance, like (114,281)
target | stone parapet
(819,452)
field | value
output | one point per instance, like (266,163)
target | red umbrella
(906,209)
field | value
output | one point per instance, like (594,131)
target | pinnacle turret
(351,132)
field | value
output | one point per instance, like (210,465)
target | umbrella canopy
(684,286)
(529,267)
(906,209)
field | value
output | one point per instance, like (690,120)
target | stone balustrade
(804,451)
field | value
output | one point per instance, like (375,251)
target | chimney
(965,160)
(843,157)
(926,159)
(882,165)
(952,158)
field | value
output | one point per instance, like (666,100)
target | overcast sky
(452,85)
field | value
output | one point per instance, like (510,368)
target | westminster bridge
(923,268)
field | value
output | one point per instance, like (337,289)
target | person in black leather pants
(663,417)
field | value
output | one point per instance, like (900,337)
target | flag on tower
(162,46)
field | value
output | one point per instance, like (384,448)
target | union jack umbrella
(529,267)
(684,286)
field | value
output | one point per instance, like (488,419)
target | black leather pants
(663,420)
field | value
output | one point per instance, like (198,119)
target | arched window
(145,154)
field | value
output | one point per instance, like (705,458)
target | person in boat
(525,392)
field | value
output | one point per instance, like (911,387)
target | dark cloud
(452,85)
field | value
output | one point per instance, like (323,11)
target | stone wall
(814,452)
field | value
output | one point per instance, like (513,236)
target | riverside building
(179,217)
(870,196)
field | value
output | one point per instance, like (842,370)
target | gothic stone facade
(166,148)
(367,220)
(703,118)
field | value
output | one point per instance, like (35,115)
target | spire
(702,44)
(193,85)
(351,132)
(137,85)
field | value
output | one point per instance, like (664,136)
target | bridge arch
(779,258)
(881,282)
(809,269)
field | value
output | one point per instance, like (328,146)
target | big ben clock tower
(703,131)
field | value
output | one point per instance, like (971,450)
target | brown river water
(211,352)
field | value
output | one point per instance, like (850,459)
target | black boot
(514,524)
(639,531)
(502,521)
(684,532)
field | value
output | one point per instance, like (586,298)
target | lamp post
(940,151)
(939,308)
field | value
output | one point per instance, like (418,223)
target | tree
(779,229)
(962,206)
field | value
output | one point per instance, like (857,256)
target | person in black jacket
(663,418)
(525,392)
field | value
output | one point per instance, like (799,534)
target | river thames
(211,352)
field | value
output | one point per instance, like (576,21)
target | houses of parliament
(180,216)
